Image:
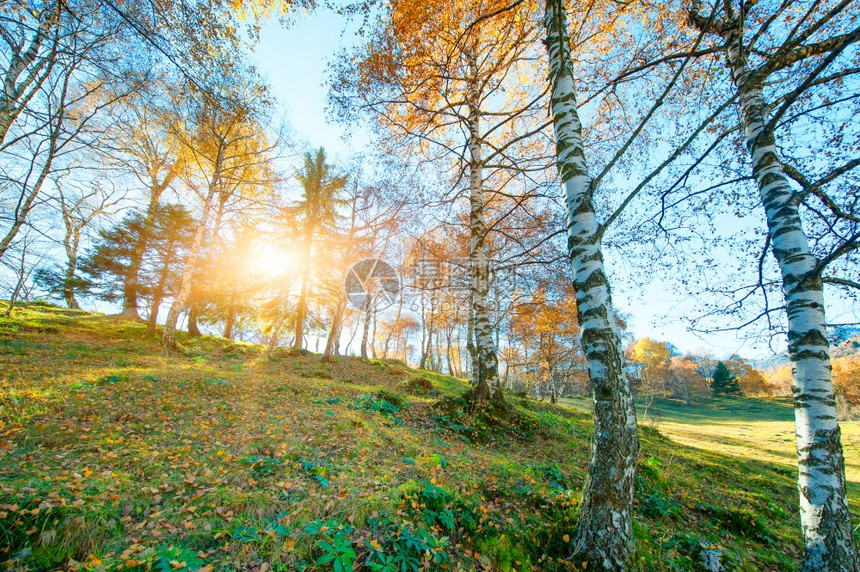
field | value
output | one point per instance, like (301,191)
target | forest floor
(114,456)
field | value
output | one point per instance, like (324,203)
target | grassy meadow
(744,428)
(114,456)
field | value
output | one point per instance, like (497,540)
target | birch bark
(604,535)
(825,520)
(168,337)
(486,373)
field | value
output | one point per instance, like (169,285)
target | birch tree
(798,46)
(626,105)
(78,209)
(604,532)
(61,70)
(32,39)
(438,79)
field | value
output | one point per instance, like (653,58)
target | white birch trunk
(825,520)
(168,337)
(72,240)
(604,535)
(486,367)
(28,70)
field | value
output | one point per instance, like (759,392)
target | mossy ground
(115,456)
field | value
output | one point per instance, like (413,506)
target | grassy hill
(114,456)
(754,429)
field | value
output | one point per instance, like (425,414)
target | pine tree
(723,382)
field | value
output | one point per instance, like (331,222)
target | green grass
(114,456)
(753,429)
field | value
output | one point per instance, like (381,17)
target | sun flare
(273,261)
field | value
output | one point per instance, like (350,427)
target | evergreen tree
(318,207)
(723,382)
(105,269)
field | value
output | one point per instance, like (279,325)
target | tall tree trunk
(229,322)
(332,344)
(302,306)
(21,278)
(168,337)
(424,329)
(365,332)
(13,100)
(604,534)
(825,520)
(158,293)
(470,342)
(427,340)
(372,339)
(152,321)
(449,351)
(72,241)
(28,69)
(393,327)
(431,358)
(131,286)
(486,374)
(27,200)
(193,327)
(686,391)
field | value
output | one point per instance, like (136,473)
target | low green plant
(333,541)
(407,549)
(261,466)
(177,559)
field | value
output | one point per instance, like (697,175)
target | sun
(272,261)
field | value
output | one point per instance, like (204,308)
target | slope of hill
(849,347)
(114,456)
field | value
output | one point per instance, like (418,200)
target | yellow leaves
(566,537)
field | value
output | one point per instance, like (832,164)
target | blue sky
(294,62)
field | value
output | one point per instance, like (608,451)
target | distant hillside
(847,348)
(114,456)
(838,349)
(770,362)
